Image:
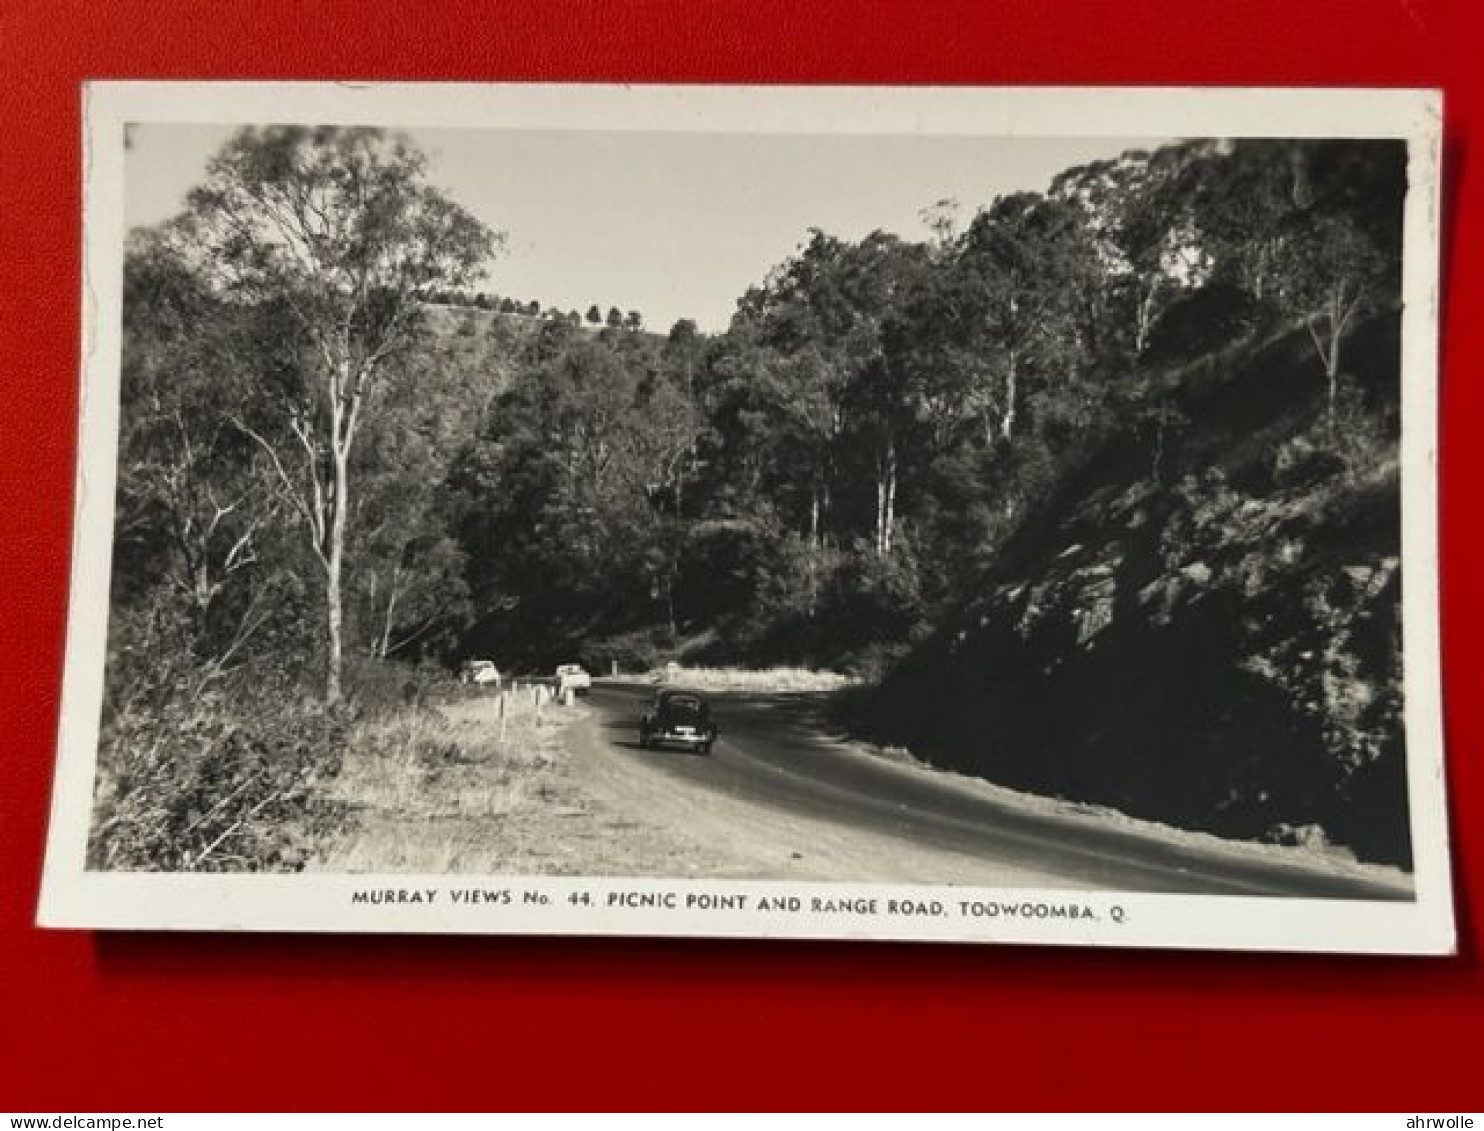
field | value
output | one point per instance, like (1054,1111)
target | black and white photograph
(976,515)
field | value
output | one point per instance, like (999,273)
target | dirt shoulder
(438,792)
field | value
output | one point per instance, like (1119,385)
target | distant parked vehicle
(479,672)
(574,676)
(681,717)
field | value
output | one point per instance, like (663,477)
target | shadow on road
(660,751)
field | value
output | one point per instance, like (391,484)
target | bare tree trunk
(1007,422)
(880,508)
(1340,312)
(1162,423)
(886,498)
(333,625)
(334,569)
(891,499)
(1332,369)
(389,617)
(824,511)
(1327,346)
(1145,321)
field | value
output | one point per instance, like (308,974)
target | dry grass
(898,754)
(437,790)
(761,681)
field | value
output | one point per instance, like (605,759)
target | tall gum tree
(822,315)
(1141,240)
(343,230)
(1334,275)
(1015,263)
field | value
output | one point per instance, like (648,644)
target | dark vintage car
(681,717)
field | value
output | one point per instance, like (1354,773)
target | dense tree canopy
(337,237)
(818,482)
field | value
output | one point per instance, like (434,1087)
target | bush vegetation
(226,777)
(443,787)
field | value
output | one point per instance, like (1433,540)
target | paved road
(772,752)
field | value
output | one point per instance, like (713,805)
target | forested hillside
(828,479)
(1099,481)
(1203,627)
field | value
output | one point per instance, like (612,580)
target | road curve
(773,753)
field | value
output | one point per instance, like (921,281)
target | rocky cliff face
(1203,627)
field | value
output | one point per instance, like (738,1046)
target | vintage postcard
(941,514)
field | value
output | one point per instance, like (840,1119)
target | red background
(141,1022)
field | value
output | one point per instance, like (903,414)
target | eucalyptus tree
(1332,275)
(820,322)
(1014,271)
(342,229)
(1142,233)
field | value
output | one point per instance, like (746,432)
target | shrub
(637,651)
(871,663)
(873,600)
(1301,462)
(225,778)
(379,689)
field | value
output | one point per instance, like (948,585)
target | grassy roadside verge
(452,787)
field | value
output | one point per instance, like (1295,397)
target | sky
(673,225)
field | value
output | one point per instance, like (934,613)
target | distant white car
(574,676)
(479,672)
